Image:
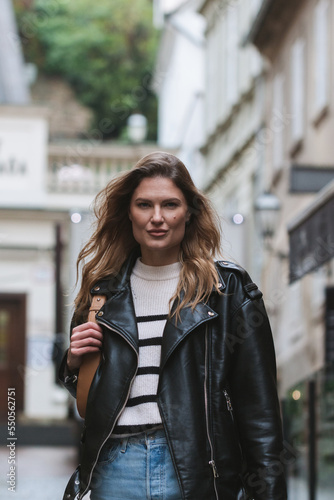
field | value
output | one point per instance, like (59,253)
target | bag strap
(90,361)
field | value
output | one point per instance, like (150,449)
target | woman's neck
(159,258)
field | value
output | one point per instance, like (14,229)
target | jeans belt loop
(124,444)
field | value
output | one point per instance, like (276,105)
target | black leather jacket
(217,391)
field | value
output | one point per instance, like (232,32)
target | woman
(184,402)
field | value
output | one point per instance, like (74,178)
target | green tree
(104,49)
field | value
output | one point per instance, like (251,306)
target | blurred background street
(242,91)
(42,472)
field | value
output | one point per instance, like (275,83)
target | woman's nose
(157,215)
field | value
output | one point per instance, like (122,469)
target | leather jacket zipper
(119,413)
(211,461)
(230,409)
(228,403)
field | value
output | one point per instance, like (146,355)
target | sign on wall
(23,159)
(312,241)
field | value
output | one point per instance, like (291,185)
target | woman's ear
(188,215)
(129,215)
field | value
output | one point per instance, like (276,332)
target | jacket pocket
(109,451)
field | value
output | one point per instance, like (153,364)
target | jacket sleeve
(255,401)
(67,378)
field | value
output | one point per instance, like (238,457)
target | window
(297,90)
(278,122)
(232,55)
(210,83)
(321,42)
(221,104)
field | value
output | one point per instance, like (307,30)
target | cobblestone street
(41,472)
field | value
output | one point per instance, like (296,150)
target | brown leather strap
(90,361)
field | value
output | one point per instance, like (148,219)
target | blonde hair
(113,241)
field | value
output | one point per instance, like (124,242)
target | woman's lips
(157,232)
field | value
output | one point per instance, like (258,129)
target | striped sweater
(152,287)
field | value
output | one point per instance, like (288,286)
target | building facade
(233,118)
(295,38)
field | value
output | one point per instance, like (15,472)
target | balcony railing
(85,168)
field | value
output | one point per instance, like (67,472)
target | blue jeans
(136,468)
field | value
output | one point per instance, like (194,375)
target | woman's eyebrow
(164,200)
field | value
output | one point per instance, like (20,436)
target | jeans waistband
(150,436)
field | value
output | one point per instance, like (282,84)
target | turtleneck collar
(156,273)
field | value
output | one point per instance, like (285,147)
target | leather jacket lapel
(119,315)
(176,331)
(118,312)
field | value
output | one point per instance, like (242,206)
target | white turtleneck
(152,288)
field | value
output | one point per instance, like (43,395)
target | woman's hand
(85,338)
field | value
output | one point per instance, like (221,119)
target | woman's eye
(171,204)
(143,204)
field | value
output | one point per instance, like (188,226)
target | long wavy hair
(113,241)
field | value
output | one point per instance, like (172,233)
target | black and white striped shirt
(152,287)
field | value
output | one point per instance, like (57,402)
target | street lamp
(137,128)
(267,207)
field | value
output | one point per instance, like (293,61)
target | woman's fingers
(85,338)
(85,335)
(87,326)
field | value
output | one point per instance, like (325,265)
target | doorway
(12,349)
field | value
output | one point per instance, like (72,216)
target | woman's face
(159,212)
